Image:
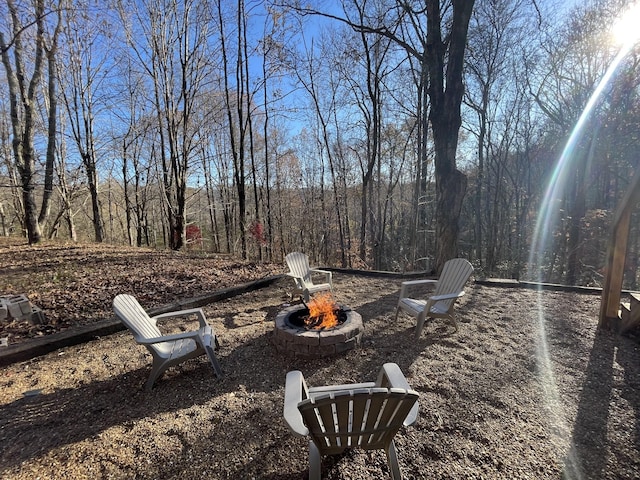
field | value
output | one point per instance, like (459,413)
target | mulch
(528,388)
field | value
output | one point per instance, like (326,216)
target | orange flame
(322,312)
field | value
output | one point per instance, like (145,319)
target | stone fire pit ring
(317,343)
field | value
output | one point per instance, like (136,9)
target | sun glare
(627,33)
(626,29)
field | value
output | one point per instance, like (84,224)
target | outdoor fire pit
(301,331)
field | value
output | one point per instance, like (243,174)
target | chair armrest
(327,274)
(183,313)
(391,376)
(324,272)
(419,282)
(170,338)
(447,296)
(208,337)
(404,286)
(295,391)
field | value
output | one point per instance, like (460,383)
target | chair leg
(420,325)
(149,385)
(315,462)
(452,317)
(214,361)
(156,370)
(392,458)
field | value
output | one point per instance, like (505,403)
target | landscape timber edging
(491,282)
(42,345)
(512,283)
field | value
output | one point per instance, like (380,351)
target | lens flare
(625,30)
(547,217)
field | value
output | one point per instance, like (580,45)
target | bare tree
(12,193)
(323,86)
(51,48)
(238,98)
(69,189)
(85,70)
(499,33)
(272,46)
(440,51)
(175,58)
(370,54)
(136,173)
(23,82)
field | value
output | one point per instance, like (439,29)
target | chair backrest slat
(314,422)
(131,313)
(376,402)
(360,412)
(298,263)
(395,408)
(367,418)
(343,425)
(455,274)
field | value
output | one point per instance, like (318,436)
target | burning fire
(322,312)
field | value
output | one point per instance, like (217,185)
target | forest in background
(258,128)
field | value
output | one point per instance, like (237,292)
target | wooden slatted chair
(448,288)
(302,275)
(167,350)
(362,415)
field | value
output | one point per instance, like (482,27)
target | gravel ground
(528,388)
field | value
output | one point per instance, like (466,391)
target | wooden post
(614,270)
(612,287)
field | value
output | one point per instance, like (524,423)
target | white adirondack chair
(448,288)
(167,350)
(361,415)
(302,275)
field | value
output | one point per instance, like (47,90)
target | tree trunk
(128,207)
(479,220)
(445,66)
(34,235)
(22,100)
(576,211)
(418,216)
(450,191)
(3,221)
(52,116)
(92,181)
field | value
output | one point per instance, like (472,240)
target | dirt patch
(526,389)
